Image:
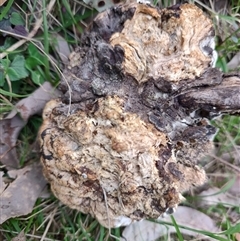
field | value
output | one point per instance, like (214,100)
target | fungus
(131,139)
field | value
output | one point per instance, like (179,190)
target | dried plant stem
(226,163)
(49,224)
(27,235)
(9,85)
(30,35)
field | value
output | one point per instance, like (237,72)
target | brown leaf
(11,126)
(185,216)
(235,188)
(62,48)
(20,237)
(20,196)
(214,196)
(234,62)
(35,102)
(237,236)
(9,129)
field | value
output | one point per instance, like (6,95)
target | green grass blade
(10,94)
(102,233)
(207,233)
(180,237)
(232,230)
(6,9)
(46,41)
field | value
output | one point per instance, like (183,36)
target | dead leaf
(3,185)
(62,48)
(20,196)
(20,30)
(220,5)
(149,231)
(2,2)
(20,237)
(35,102)
(11,126)
(214,196)
(235,188)
(237,236)
(234,62)
(9,129)
(45,193)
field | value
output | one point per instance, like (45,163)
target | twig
(30,35)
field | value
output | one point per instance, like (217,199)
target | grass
(50,220)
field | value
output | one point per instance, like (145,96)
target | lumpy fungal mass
(128,134)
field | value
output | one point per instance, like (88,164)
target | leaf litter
(234,62)
(11,126)
(214,196)
(184,216)
(3,185)
(19,197)
(62,48)
(20,237)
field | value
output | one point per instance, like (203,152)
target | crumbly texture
(109,163)
(127,136)
(180,43)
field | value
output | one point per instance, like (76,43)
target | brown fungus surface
(126,138)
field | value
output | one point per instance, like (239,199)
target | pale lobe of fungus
(158,41)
